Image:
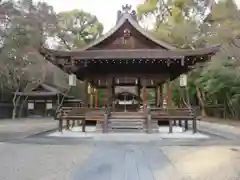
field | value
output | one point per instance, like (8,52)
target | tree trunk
(201,101)
(21,107)
(15,103)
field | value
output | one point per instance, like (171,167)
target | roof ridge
(128,17)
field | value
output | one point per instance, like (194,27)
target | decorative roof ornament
(126,9)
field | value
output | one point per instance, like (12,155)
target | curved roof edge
(128,17)
(178,52)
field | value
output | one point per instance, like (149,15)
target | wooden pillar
(160,94)
(169,94)
(145,95)
(60,125)
(96,98)
(109,89)
(91,100)
(85,93)
(156,96)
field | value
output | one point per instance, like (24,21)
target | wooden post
(60,125)
(156,95)
(186,125)
(145,98)
(105,123)
(84,125)
(139,91)
(169,94)
(160,95)
(96,98)
(86,93)
(68,124)
(109,86)
(169,103)
(91,100)
(149,123)
(170,126)
(194,125)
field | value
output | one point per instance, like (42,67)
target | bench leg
(60,125)
(180,123)
(68,125)
(83,125)
(78,122)
(73,123)
(185,125)
(194,125)
(170,126)
(174,122)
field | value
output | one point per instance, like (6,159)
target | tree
(182,25)
(77,28)
(23,32)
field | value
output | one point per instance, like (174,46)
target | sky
(105,10)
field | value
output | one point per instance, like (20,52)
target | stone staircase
(127,122)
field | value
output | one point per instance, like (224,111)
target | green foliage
(77,28)
(181,24)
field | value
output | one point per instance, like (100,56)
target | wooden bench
(175,114)
(72,114)
(79,114)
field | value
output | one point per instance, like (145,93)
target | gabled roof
(128,17)
(46,91)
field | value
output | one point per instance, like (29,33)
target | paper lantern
(72,80)
(30,105)
(89,89)
(183,80)
(49,105)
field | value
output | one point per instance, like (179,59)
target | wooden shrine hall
(125,63)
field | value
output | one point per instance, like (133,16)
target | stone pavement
(225,131)
(20,128)
(48,158)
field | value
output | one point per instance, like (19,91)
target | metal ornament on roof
(183,80)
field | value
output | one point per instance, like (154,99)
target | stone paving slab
(127,162)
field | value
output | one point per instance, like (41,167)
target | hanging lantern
(89,89)
(183,80)
(136,81)
(30,105)
(72,80)
(49,105)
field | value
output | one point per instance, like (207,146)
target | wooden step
(121,124)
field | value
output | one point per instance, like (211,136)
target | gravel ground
(21,128)
(40,162)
